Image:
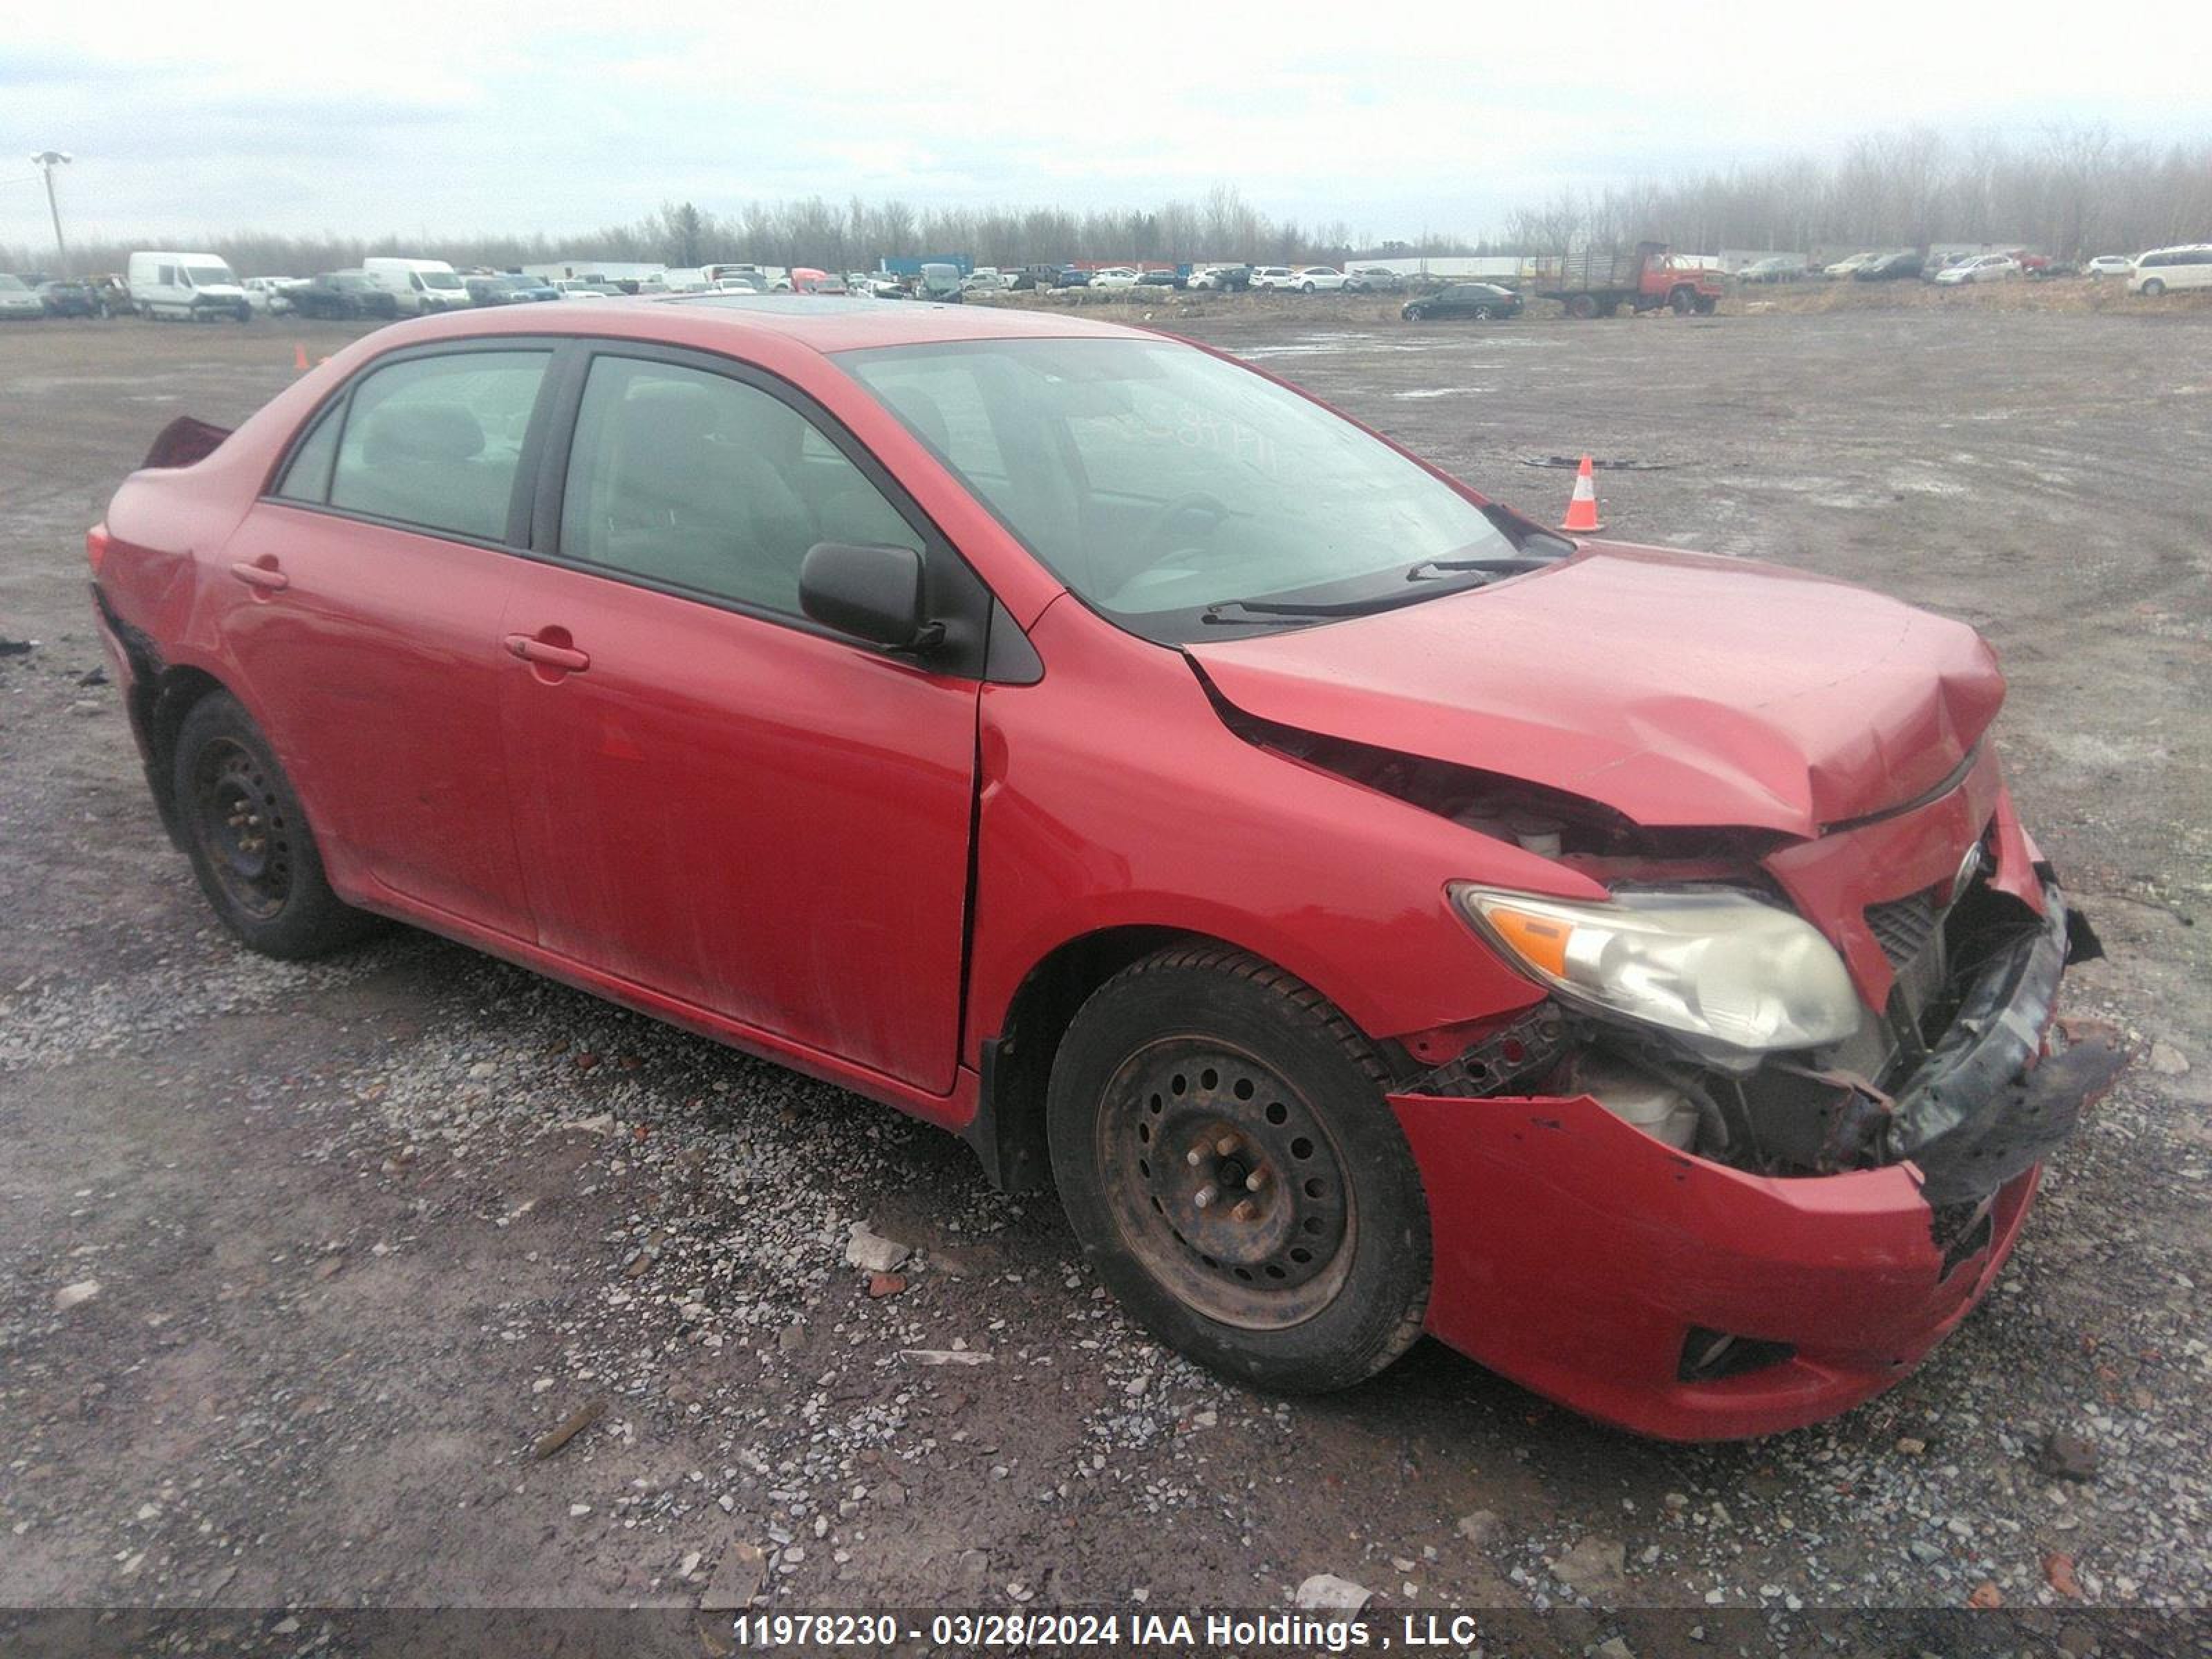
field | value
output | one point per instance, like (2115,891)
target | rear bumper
(1578,1255)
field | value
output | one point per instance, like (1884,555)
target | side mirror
(871,593)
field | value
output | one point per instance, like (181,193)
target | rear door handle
(565,658)
(265,577)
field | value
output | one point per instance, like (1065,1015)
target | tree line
(2069,190)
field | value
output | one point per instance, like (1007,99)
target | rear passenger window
(435,441)
(701,482)
(308,477)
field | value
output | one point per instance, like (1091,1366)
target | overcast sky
(543,115)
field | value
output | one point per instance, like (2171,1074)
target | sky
(1395,119)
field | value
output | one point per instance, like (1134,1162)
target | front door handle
(545,652)
(266,577)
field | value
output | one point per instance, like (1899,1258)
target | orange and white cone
(298,359)
(1582,518)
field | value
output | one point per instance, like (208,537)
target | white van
(192,286)
(421,286)
(2163,268)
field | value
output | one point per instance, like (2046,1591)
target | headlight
(1707,961)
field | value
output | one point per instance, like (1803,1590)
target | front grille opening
(1902,927)
(1710,1355)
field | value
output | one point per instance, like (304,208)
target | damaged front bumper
(1685,1299)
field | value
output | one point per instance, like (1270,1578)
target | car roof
(733,322)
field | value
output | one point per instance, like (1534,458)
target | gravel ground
(299,1267)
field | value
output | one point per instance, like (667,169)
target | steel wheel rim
(240,822)
(1229,1189)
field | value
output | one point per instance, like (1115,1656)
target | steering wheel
(1151,541)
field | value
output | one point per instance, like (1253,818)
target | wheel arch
(159,704)
(1007,1132)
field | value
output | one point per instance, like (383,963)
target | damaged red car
(1373,912)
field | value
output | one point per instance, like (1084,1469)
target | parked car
(940,281)
(1597,281)
(983,281)
(195,287)
(1071,277)
(421,286)
(1477,302)
(342,295)
(1777,268)
(18,301)
(1224,278)
(269,295)
(1851,266)
(113,295)
(1114,276)
(1271,278)
(1890,268)
(2164,267)
(875,284)
(1162,279)
(1978,268)
(2110,264)
(59,298)
(1316,279)
(1373,279)
(1647,1009)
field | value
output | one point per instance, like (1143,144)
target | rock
(2167,1060)
(869,1249)
(1924,1552)
(944,1357)
(72,1296)
(88,706)
(2058,1573)
(737,1579)
(1597,1568)
(2068,1456)
(689,1564)
(17,647)
(582,1418)
(1985,1596)
(93,677)
(600,1123)
(791,1338)
(883,1285)
(1325,1592)
(1480,1527)
(577,1511)
(1614,1647)
(1911,1446)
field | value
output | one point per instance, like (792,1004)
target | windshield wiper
(1511,566)
(1264,609)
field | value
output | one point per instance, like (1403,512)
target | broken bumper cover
(1602,1268)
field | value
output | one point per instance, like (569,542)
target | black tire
(247,836)
(2152,289)
(1203,1071)
(1482,313)
(1680,301)
(1583,306)
(1707,304)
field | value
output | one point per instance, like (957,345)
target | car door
(717,800)
(365,619)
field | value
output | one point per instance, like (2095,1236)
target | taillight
(96,542)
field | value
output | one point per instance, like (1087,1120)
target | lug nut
(1245,1212)
(1256,1180)
(1206,1195)
(1227,1145)
(1196,1157)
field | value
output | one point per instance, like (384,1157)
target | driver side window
(693,480)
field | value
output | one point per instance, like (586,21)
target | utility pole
(47,160)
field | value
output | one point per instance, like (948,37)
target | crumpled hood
(1678,689)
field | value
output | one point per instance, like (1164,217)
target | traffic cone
(1582,508)
(298,359)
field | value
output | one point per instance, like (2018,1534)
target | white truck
(196,287)
(421,286)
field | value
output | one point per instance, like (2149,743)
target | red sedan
(1372,911)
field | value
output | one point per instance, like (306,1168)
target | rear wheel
(247,836)
(1225,1154)
(2154,287)
(1583,305)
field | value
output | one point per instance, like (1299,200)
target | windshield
(440,279)
(209,277)
(12,285)
(1176,492)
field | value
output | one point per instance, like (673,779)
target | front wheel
(2154,287)
(1225,1154)
(1707,304)
(247,836)
(1680,301)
